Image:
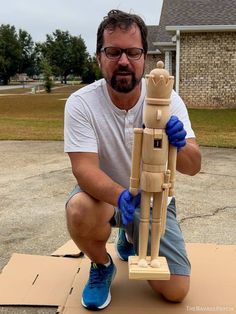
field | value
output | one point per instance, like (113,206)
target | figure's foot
(124,249)
(96,294)
(142,263)
(155,263)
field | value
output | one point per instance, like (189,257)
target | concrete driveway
(25,85)
(36,179)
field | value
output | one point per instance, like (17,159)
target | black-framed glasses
(114,53)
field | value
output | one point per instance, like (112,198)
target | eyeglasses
(114,53)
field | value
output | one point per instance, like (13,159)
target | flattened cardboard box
(58,281)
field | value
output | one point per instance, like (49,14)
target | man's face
(122,74)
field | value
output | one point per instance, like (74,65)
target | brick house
(197,41)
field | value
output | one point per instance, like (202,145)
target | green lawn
(40,117)
(214,127)
(33,116)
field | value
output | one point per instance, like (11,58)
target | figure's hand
(127,204)
(176,132)
(134,191)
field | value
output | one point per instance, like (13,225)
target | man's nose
(123,58)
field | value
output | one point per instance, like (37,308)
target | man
(99,122)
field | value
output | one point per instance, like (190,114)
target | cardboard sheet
(213,283)
(37,280)
(213,286)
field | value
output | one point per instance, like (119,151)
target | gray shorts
(172,244)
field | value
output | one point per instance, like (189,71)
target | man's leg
(88,225)
(173,290)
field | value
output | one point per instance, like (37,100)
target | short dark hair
(123,20)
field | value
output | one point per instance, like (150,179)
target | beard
(123,80)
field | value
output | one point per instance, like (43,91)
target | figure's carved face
(155,117)
(159,87)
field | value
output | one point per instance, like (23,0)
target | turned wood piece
(153,172)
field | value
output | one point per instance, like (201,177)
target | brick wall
(151,61)
(208,69)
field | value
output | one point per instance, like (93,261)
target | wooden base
(148,273)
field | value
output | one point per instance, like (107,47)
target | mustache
(122,69)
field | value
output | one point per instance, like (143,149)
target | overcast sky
(41,17)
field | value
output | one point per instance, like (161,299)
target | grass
(34,116)
(40,117)
(15,91)
(214,127)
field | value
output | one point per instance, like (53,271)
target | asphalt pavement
(36,179)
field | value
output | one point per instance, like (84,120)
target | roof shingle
(195,12)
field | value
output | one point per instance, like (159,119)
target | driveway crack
(214,213)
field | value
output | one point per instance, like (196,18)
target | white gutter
(177,61)
(154,52)
(201,28)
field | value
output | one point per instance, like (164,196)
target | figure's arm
(172,160)
(136,160)
(92,180)
(188,155)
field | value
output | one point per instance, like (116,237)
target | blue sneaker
(124,249)
(96,294)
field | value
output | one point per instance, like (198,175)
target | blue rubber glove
(127,204)
(176,132)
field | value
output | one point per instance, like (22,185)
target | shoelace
(97,274)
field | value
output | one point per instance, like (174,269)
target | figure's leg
(156,227)
(89,227)
(144,228)
(172,246)
(166,186)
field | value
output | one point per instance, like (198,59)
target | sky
(79,18)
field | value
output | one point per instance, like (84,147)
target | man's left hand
(176,132)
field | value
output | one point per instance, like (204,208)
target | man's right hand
(127,204)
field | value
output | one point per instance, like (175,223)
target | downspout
(177,60)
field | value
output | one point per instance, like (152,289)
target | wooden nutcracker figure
(153,171)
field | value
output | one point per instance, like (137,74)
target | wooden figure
(153,171)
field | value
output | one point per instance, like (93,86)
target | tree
(66,54)
(91,71)
(10,52)
(26,64)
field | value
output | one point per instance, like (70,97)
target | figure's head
(159,82)
(159,85)
(121,49)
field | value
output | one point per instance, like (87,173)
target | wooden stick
(172,167)
(136,160)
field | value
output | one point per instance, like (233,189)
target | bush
(47,74)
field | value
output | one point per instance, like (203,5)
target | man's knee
(176,294)
(173,290)
(86,213)
(76,207)
(79,211)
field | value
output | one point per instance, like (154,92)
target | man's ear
(99,60)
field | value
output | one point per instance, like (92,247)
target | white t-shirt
(94,124)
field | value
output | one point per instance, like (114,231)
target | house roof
(151,38)
(194,13)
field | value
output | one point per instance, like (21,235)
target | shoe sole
(101,307)
(106,303)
